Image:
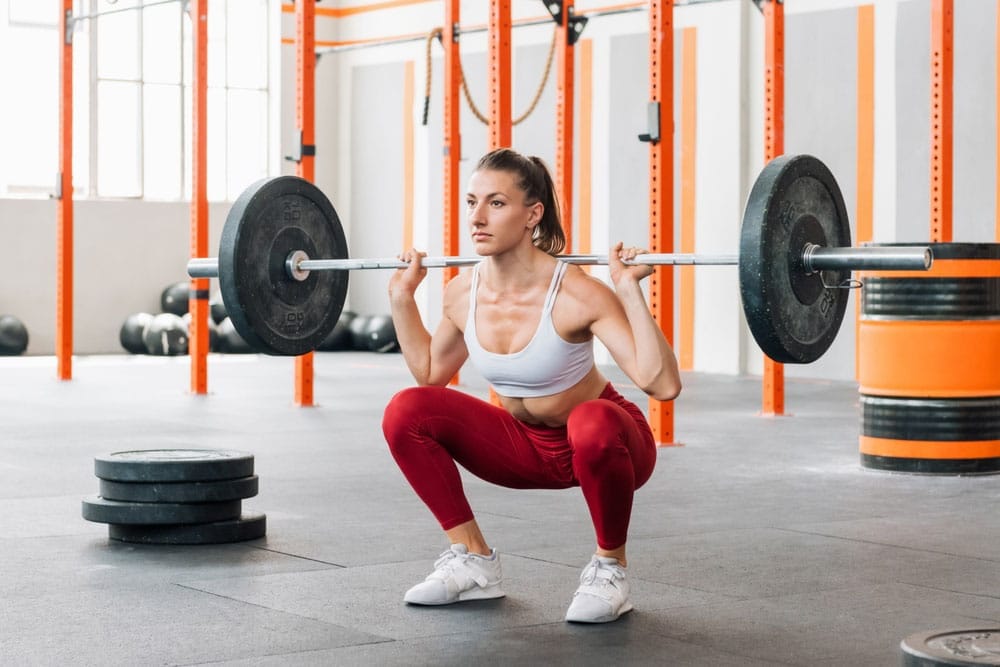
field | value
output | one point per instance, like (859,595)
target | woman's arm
(627,328)
(432,360)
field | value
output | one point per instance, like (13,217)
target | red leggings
(606,448)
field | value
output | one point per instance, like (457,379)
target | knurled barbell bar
(283,263)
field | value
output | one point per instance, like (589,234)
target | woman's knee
(597,432)
(405,410)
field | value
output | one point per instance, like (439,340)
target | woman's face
(499,218)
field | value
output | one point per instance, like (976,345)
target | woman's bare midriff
(554,410)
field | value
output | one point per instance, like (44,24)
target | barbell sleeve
(895,258)
(203,267)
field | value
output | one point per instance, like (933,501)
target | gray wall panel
(974,131)
(376,178)
(627,175)
(975,121)
(913,121)
(821,120)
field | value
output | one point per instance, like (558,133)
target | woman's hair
(534,180)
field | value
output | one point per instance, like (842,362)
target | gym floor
(761,541)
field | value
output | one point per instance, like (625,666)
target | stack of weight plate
(176,496)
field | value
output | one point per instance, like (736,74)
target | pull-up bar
(579,20)
(72,20)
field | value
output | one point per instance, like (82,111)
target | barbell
(283,263)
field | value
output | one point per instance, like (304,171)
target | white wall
(150,239)
(125,254)
(820,72)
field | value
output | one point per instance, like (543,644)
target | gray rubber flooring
(760,541)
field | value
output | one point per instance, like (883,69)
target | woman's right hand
(404,282)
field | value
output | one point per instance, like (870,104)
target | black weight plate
(273,312)
(249,526)
(953,648)
(180,492)
(792,316)
(174,465)
(100,510)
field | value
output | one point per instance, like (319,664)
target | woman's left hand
(620,271)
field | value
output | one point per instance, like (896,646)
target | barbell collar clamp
(293,265)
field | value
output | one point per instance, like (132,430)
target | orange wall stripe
(950,358)
(865,142)
(611,8)
(305,109)
(371,41)
(942,22)
(689,112)
(661,193)
(586,147)
(774,145)
(341,12)
(408,93)
(929,449)
(64,208)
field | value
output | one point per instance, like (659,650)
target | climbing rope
(436,34)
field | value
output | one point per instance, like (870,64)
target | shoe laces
(599,574)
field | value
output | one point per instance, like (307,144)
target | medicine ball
(217,307)
(13,336)
(357,326)
(230,340)
(131,332)
(174,299)
(381,334)
(340,338)
(166,335)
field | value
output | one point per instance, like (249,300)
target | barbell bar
(283,264)
(814,259)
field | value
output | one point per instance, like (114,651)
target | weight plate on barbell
(794,316)
(272,311)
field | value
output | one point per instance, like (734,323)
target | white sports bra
(547,365)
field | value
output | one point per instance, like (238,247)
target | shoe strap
(456,564)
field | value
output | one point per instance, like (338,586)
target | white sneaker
(603,594)
(459,576)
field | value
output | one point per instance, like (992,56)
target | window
(29,115)
(132,97)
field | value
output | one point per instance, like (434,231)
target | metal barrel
(929,364)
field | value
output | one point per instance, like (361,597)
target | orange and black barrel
(929,364)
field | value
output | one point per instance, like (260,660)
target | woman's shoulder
(456,291)
(460,282)
(576,278)
(585,288)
